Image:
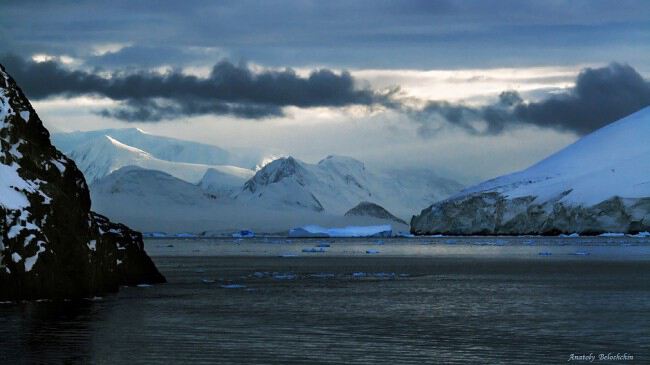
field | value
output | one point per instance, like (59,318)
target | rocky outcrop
(52,245)
(491,213)
(134,266)
(368,209)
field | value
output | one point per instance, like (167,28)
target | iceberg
(349,231)
(155,234)
(612,234)
(233,286)
(243,234)
(314,249)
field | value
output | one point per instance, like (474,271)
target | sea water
(410,301)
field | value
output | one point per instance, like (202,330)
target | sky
(473,89)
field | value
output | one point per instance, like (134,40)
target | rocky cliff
(52,245)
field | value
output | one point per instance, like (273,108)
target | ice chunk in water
(233,286)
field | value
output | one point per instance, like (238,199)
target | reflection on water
(359,309)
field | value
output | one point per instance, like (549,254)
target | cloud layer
(599,97)
(229,89)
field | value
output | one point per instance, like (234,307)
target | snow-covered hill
(337,183)
(100,154)
(599,183)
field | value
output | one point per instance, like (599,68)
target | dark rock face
(134,266)
(275,171)
(367,209)
(492,214)
(52,245)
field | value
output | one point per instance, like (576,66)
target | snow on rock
(350,231)
(601,183)
(45,220)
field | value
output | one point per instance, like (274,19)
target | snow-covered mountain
(133,175)
(163,148)
(152,200)
(336,184)
(599,183)
(99,153)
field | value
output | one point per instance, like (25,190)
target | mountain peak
(369,209)
(276,171)
(337,160)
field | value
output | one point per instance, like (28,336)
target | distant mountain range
(159,183)
(98,153)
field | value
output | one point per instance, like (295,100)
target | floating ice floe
(233,286)
(572,235)
(404,234)
(612,234)
(155,234)
(284,276)
(314,249)
(581,253)
(641,234)
(349,231)
(244,234)
(287,255)
(322,275)
(372,251)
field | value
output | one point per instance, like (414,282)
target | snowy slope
(224,181)
(148,187)
(337,183)
(601,183)
(103,154)
(163,148)
(612,161)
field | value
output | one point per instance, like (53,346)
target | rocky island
(53,246)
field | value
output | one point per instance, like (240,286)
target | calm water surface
(427,300)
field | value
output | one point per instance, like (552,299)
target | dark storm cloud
(336,33)
(600,96)
(230,89)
